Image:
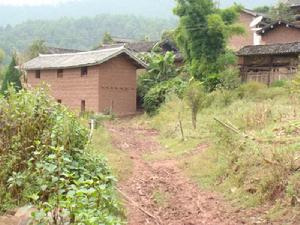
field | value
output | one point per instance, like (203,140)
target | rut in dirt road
(183,202)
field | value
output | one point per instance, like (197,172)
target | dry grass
(118,160)
(249,172)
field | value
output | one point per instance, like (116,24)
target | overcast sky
(55,2)
(32,2)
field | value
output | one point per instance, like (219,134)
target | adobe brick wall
(118,86)
(281,34)
(71,88)
(111,82)
(239,41)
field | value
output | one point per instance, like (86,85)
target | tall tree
(37,47)
(107,38)
(282,12)
(203,33)
(12,77)
(2,56)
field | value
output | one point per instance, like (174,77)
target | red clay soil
(184,203)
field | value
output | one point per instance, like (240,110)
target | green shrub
(44,162)
(250,89)
(196,99)
(222,98)
(279,83)
(157,95)
(161,68)
(230,79)
(271,93)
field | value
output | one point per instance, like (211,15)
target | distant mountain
(84,33)
(146,8)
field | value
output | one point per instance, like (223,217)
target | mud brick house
(294,4)
(140,47)
(245,18)
(280,32)
(95,81)
(268,63)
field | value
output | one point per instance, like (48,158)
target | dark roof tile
(274,49)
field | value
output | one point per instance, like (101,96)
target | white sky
(32,2)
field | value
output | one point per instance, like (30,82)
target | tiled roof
(275,24)
(274,49)
(73,60)
(293,2)
(54,50)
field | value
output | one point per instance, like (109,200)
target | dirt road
(158,192)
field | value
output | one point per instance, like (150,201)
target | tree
(203,33)
(107,38)
(11,77)
(2,55)
(196,99)
(37,47)
(263,9)
(282,12)
(161,68)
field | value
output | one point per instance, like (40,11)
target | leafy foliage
(281,12)
(161,68)
(203,33)
(196,99)
(262,9)
(44,161)
(107,38)
(157,94)
(37,47)
(254,158)
(84,33)
(2,56)
(11,77)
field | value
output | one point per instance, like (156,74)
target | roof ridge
(84,52)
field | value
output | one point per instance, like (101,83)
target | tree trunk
(194,119)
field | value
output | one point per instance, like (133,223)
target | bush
(222,98)
(157,95)
(44,162)
(161,68)
(230,79)
(196,99)
(279,83)
(271,93)
(250,89)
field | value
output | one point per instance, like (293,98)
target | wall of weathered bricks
(281,34)
(111,85)
(239,41)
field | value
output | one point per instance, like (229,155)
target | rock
(25,212)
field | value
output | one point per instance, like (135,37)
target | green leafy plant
(196,99)
(45,162)
(157,95)
(161,68)
(11,77)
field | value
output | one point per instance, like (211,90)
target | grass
(118,160)
(249,173)
(160,198)
(173,148)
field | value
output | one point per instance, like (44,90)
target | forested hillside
(84,33)
(11,14)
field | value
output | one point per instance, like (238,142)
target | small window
(60,73)
(82,106)
(84,71)
(38,74)
(59,101)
